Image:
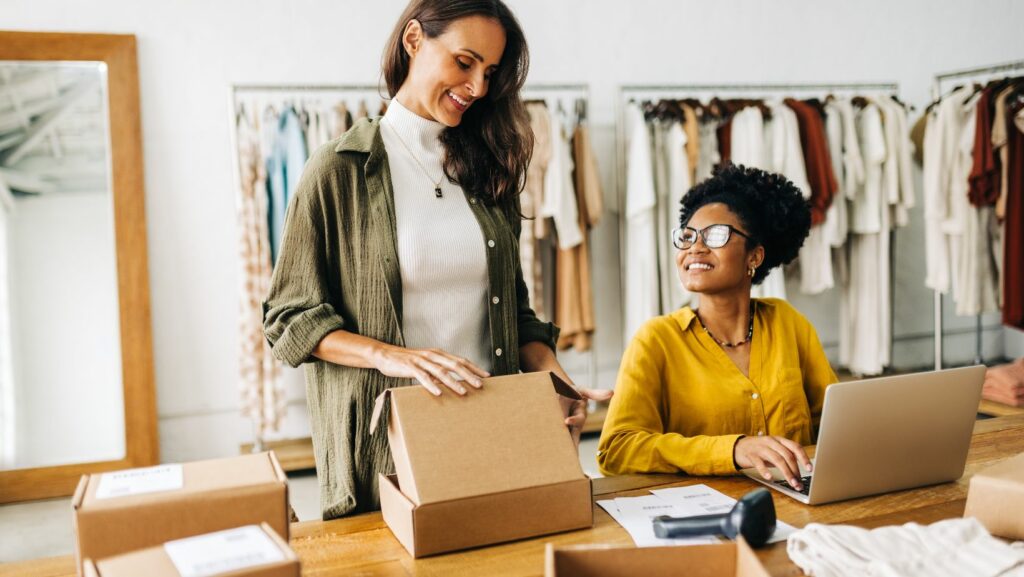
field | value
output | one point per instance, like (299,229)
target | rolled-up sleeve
(298,312)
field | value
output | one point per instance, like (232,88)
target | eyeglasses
(715,236)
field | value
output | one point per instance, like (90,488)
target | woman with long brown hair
(400,252)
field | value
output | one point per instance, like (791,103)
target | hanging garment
(673,295)
(976,284)
(942,138)
(641,290)
(574,301)
(531,200)
(985,170)
(342,120)
(1013,239)
(818,164)
(951,547)
(816,253)
(559,191)
(836,226)
(709,156)
(662,221)
(900,179)
(691,126)
(787,155)
(864,312)
(262,391)
(724,134)
(868,199)
(954,226)
(999,140)
(286,159)
(747,139)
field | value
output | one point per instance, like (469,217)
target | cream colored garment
(531,200)
(956,547)
(263,395)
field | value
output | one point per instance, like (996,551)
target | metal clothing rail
(937,86)
(631,92)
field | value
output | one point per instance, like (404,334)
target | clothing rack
(978,73)
(579,94)
(629,93)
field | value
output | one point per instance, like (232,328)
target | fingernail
(478,383)
(462,391)
(767,476)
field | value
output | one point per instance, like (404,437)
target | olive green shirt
(338,269)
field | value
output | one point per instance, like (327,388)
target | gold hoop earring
(752,270)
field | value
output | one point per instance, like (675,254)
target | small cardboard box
(129,510)
(724,560)
(234,550)
(996,498)
(495,465)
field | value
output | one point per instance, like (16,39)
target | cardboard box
(495,465)
(129,510)
(725,560)
(228,551)
(996,498)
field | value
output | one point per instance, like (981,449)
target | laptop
(890,433)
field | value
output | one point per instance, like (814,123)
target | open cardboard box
(725,560)
(996,498)
(214,495)
(495,465)
(156,562)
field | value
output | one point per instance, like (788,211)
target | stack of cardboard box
(190,519)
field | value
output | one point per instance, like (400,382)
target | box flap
(508,435)
(378,407)
(1011,469)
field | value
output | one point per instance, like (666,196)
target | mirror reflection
(61,394)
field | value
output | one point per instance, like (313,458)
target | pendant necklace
(437,183)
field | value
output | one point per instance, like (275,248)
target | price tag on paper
(139,481)
(224,551)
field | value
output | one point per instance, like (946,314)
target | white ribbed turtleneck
(441,252)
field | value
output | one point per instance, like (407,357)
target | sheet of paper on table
(636,513)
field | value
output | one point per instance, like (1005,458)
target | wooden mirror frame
(140,418)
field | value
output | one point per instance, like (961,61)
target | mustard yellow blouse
(681,404)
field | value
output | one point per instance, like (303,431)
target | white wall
(65,330)
(191,51)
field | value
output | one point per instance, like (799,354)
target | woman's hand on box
(431,368)
(576,409)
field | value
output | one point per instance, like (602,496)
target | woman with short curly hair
(737,382)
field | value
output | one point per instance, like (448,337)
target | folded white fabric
(953,548)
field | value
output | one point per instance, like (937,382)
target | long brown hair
(488,152)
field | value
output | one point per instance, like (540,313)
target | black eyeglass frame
(676,233)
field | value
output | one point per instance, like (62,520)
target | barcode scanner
(753,517)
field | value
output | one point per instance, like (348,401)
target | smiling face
(716,270)
(451,71)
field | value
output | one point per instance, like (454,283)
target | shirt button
(495,300)
(497,352)
(472,200)
(754,396)
(490,243)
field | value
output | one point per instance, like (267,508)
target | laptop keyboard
(805,481)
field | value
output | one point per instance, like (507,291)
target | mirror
(76,375)
(57,225)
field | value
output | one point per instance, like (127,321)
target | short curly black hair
(770,207)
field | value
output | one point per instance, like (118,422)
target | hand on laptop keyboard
(805,483)
(764,452)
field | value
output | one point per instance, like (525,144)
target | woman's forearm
(342,347)
(536,356)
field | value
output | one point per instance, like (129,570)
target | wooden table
(363,545)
